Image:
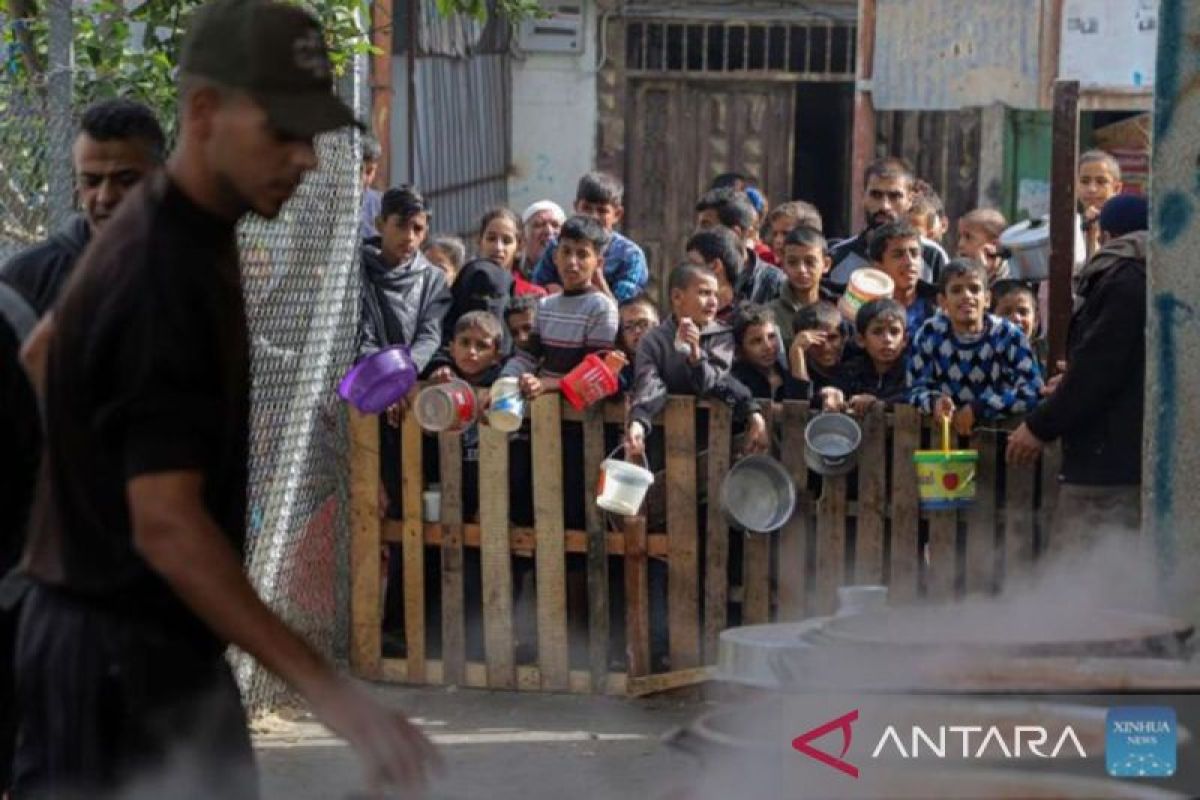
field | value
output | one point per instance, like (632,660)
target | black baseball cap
(273,51)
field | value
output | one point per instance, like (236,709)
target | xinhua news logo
(1140,742)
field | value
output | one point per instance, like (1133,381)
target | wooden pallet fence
(634,604)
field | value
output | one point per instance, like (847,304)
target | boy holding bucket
(895,249)
(967,364)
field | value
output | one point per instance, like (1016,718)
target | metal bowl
(758,494)
(831,444)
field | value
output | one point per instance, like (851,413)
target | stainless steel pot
(1028,245)
(831,444)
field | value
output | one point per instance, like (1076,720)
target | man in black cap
(138,530)
(1096,408)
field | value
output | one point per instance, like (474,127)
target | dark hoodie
(481,285)
(401,305)
(1097,409)
(41,272)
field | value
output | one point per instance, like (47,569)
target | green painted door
(1027,143)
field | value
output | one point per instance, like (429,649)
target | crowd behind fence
(463,626)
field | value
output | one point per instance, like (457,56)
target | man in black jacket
(1096,409)
(119,143)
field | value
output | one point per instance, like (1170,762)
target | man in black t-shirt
(136,541)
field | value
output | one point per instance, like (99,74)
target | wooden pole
(1051,47)
(1064,152)
(382,15)
(862,148)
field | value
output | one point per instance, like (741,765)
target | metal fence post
(60,96)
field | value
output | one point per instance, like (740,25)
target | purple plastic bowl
(379,380)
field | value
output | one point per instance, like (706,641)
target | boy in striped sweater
(968,364)
(569,326)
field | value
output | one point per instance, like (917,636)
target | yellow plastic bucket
(946,478)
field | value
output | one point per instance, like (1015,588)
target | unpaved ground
(497,745)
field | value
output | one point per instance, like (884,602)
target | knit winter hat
(1124,214)
(544,205)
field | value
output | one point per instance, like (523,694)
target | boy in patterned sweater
(967,364)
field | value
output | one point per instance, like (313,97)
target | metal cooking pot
(758,494)
(1028,245)
(831,444)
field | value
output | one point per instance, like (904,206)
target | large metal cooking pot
(1028,246)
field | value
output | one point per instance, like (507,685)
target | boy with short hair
(520,315)
(718,249)
(805,262)
(895,249)
(447,253)
(404,297)
(979,238)
(625,274)
(690,353)
(815,355)
(879,373)
(372,153)
(759,364)
(473,355)
(967,364)
(637,316)
(928,213)
(1017,302)
(785,218)
(1098,179)
(758,281)
(582,319)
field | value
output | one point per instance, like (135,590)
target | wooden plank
(495,558)
(597,553)
(756,563)
(793,541)
(454,636)
(637,599)
(906,557)
(411,482)
(551,556)
(981,518)
(872,498)
(365,542)
(831,544)
(943,535)
(716,556)
(667,681)
(683,602)
(529,678)
(524,540)
(1019,521)
(1051,467)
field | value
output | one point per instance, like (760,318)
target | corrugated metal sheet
(458,35)
(463,132)
(948,54)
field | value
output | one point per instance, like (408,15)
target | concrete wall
(1172,435)
(554,121)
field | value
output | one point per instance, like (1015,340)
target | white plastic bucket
(623,486)
(507,409)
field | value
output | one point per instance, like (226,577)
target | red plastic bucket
(591,381)
(446,406)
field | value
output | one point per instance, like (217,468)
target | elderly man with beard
(887,196)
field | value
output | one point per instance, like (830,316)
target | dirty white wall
(554,120)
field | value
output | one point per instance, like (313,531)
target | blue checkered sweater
(997,374)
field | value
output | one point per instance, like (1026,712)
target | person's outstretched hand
(393,751)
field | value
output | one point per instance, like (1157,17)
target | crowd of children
(752,311)
(751,314)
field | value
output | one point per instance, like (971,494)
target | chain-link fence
(301,284)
